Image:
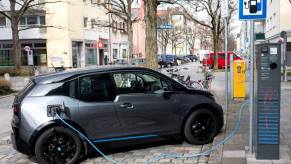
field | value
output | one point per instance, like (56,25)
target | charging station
(267,101)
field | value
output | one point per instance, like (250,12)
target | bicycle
(206,83)
(175,74)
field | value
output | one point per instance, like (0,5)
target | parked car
(209,61)
(107,104)
(166,60)
(193,58)
(139,61)
(121,62)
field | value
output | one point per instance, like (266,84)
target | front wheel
(201,127)
(58,145)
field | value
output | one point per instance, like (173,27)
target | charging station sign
(252,9)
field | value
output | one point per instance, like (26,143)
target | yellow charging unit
(239,79)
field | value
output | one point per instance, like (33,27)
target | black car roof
(60,76)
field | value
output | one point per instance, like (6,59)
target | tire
(53,145)
(198,130)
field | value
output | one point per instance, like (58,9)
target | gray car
(108,105)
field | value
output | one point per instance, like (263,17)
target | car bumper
(18,144)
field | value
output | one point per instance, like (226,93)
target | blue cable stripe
(125,138)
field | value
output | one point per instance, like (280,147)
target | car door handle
(126,105)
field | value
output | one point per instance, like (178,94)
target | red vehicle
(209,61)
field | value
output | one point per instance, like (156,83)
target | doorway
(76,54)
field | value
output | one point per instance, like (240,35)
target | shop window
(90,54)
(114,53)
(7,45)
(6,57)
(124,55)
(40,45)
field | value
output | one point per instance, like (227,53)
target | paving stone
(234,154)
(281,161)
(234,160)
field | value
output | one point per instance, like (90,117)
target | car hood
(201,92)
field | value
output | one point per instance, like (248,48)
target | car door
(141,106)
(97,112)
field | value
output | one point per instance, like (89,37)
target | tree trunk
(15,35)
(16,47)
(215,45)
(130,40)
(130,32)
(151,47)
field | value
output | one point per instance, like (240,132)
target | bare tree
(151,47)
(122,10)
(212,8)
(177,38)
(18,8)
(191,35)
(163,34)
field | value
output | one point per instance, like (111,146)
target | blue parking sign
(252,9)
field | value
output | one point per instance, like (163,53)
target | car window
(138,83)
(60,89)
(97,88)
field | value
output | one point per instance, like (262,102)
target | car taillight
(16,108)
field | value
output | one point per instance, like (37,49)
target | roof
(60,76)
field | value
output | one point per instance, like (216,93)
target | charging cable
(205,152)
(88,140)
(173,155)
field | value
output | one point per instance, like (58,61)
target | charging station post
(252,10)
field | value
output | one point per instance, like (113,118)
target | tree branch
(38,26)
(5,15)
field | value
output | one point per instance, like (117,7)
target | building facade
(75,34)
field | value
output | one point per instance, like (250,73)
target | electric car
(108,105)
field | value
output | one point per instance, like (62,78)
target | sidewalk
(236,151)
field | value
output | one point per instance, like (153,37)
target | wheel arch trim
(53,123)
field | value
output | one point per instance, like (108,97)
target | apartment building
(34,37)
(77,34)
(278,20)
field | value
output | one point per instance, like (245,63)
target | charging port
(52,110)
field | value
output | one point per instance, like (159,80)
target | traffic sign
(166,26)
(26,48)
(252,9)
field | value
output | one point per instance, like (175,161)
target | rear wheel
(201,127)
(58,145)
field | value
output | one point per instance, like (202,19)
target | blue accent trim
(125,138)
(263,7)
(268,143)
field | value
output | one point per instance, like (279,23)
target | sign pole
(251,108)
(226,63)
(225,15)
